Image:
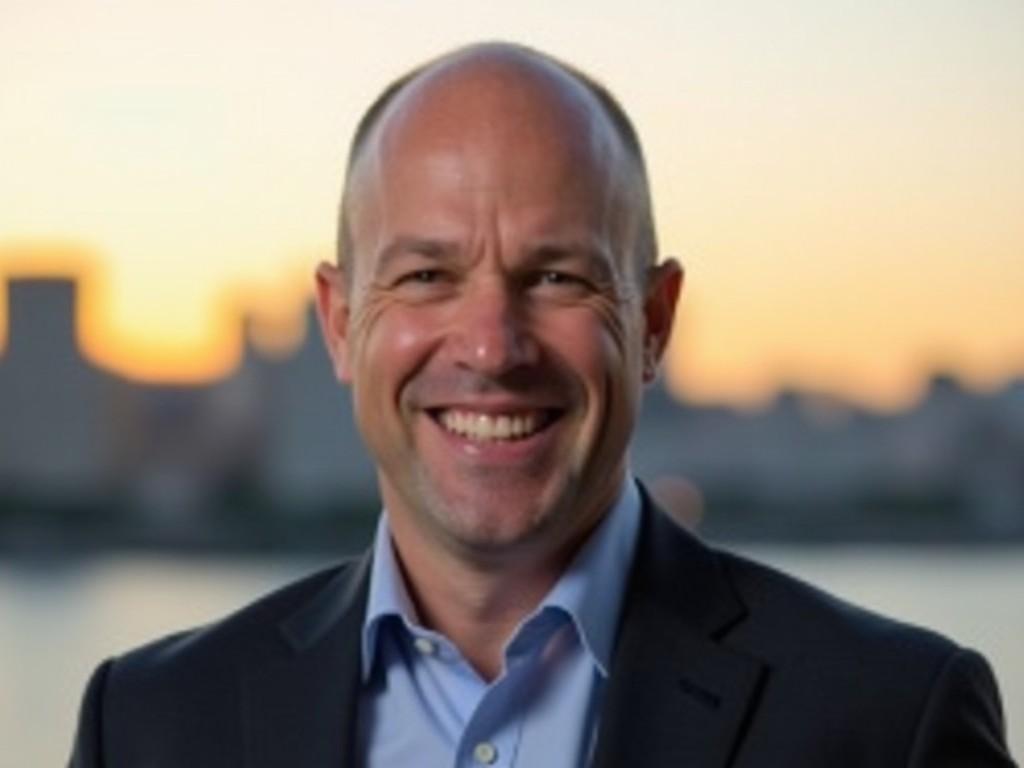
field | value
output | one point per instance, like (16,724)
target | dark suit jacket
(718,662)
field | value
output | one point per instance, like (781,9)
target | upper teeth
(488,426)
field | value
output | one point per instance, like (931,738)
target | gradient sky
(844,181)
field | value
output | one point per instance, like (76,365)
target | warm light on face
(492,332)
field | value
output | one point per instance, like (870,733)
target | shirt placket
(492,734)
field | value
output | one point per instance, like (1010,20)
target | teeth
(487,426)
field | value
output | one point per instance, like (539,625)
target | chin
(494,520)
(506,515)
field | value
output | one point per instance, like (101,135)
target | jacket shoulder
(790,616)
(180,696)
(254,629)
(878,690)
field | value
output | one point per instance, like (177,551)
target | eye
(559,284)
(424,284)
(554,277)
(421,276)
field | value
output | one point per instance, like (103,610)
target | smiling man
(496,308)
(496,311)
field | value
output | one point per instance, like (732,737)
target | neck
(475,603)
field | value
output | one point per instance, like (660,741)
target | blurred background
(844,397)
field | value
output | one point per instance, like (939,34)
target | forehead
(498,96)
(500,127)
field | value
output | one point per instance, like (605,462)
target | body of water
(57,621)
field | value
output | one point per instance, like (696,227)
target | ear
(332,309)
(664,284)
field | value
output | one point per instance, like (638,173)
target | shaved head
(517,91)
(497,310)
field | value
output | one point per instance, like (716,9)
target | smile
(489,427)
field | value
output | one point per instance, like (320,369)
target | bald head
(499,310)
(511,99)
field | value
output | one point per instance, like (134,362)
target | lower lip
(500,452)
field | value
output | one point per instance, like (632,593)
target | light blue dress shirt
(422,704)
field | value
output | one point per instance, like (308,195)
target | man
(496,309)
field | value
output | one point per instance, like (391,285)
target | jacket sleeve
(87,751)
(962,721)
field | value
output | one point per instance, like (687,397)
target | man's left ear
(664,284)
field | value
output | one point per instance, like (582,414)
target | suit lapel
(301,703)
(677,695)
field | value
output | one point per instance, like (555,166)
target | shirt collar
(387,596)
(589,591)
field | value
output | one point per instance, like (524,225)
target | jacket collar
(694,692)
(677,693)
(301,703)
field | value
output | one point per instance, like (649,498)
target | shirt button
(485,753)
(425,646)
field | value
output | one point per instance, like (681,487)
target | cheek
(594,341)
(400,338)
(391,341)
(616,360)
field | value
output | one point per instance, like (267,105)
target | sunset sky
(843,180)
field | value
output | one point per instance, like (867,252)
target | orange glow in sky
(844,182)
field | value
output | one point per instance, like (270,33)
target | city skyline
(278,326)
(276,437)
(844,182)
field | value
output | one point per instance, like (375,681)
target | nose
(491,334)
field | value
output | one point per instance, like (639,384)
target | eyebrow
(421,246)
(540,254)
(595,257)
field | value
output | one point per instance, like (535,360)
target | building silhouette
(276,434)
(54,441)
(275,440)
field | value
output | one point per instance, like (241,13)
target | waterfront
(59,619)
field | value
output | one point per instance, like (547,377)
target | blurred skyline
(844,183)
(90,458)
